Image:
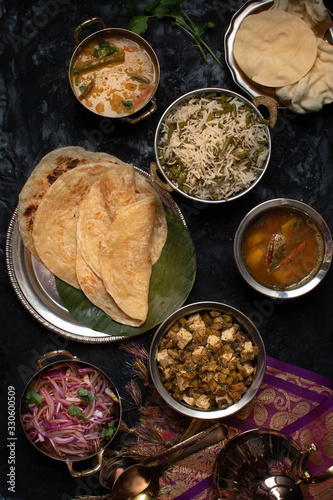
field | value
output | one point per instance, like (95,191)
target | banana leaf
(171,281)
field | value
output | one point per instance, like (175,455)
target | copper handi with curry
(113,72)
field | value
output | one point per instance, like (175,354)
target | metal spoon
(139,477)
(120,462)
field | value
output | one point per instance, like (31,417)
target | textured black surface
(38,113)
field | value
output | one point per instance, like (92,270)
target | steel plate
(250,87)
(35,286)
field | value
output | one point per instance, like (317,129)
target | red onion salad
(70,409)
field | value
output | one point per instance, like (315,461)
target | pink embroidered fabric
(292,400)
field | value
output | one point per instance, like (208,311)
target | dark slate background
(38,113)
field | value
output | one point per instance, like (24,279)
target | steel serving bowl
(259,364)
(146,108)
(46,449)
(303,209)
(163,181)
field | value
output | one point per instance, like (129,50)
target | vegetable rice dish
(213,147)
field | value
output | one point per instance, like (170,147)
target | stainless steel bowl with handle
(227,143)
(259,362)
(322,267)
(44,414)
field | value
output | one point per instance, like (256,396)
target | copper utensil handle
(87,472)
(156,180)
(144,115)
(272,106)
(52,354)
(191,443)
(86,23)
(319,478)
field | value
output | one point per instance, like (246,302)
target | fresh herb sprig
(85,395)
(173,9)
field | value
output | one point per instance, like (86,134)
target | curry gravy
(114,76)
(283,249)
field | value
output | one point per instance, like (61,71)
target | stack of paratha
(97,224)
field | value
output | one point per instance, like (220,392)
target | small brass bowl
(303,209)
(146,108)
(45,446)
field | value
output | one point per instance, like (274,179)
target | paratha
(115,189)
(275,48)
(125,257)
(54,227)
(46,172)
(94,289)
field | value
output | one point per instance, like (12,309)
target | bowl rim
(260,360)
(283,203)
(198,92)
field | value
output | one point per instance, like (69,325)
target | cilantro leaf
(138,24)
(32,397)
(76,412)
(173,9)
(108,430)
(127,104)
(85,395)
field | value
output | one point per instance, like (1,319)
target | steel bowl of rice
(212,145)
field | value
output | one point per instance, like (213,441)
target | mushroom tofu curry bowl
(114,72)
(207,360)
(283,248)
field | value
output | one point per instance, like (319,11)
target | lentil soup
(283,249)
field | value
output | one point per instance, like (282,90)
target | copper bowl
(44,447)
(146,109)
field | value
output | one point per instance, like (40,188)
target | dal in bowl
(283,248)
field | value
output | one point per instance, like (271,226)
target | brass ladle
(116,465)
(139,477)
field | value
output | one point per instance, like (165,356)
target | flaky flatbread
(54,228)
(47,171)
(114,190)
(125,257)
(275,48)
(94,289)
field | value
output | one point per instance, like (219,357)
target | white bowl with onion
(70,411)
(211,145)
